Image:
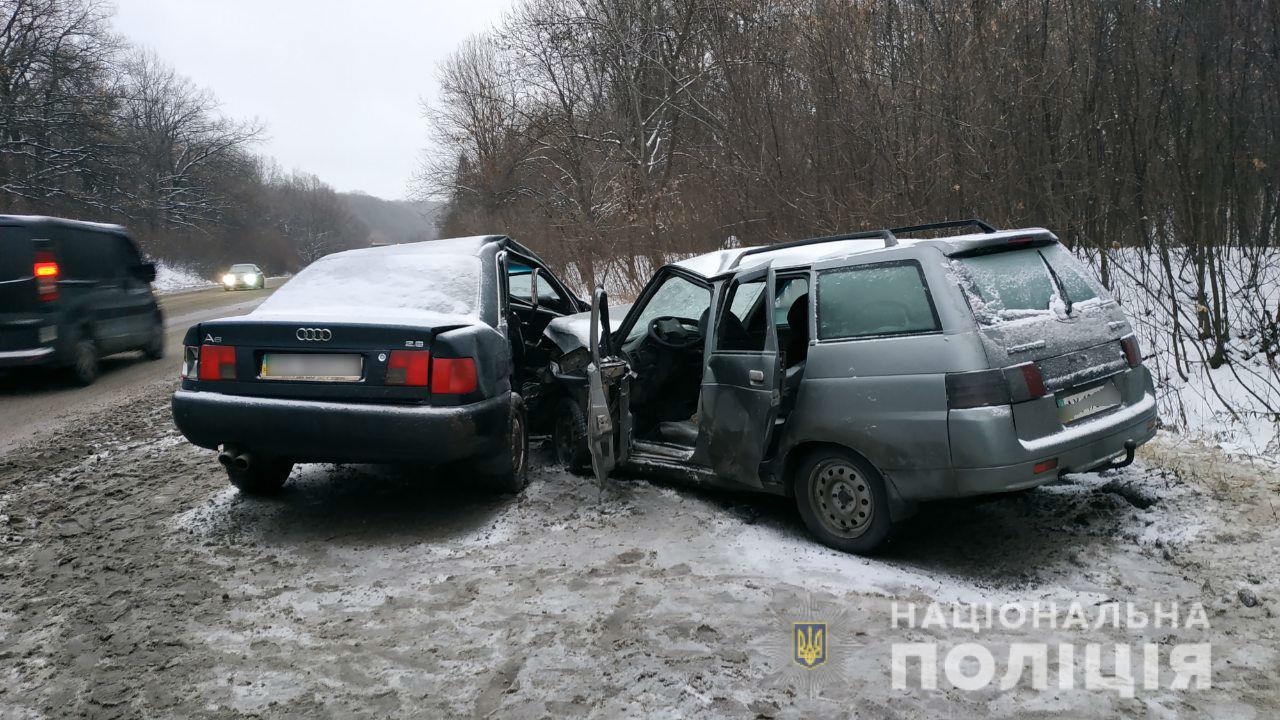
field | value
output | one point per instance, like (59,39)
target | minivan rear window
(1013,284)
(15,253)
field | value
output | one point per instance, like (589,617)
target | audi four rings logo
(314,334)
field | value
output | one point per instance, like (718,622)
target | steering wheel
(675,333)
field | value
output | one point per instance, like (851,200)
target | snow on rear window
(391,283)
(1016,284)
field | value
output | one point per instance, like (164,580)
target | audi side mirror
(146,272)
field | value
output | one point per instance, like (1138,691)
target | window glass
(361,282)
(1077,281)
(87,255)
(520,286)
(1017,283)
(16,256)
(888,299)
(789,290)
(736,329)
(676,297)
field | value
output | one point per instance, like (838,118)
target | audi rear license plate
(1076,404)
(313,367)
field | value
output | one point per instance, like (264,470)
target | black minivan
(72,292)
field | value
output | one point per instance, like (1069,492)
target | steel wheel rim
(842,498)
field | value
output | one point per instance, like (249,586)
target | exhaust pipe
(232,459)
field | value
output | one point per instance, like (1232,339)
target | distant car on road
(408,354)
(861,374)
(244,276)
(73,292)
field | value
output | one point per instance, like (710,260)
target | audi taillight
(453,376)
(46,272)
(217,362)
(408,367)
(1132,353)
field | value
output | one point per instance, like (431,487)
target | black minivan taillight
(980,388)
(46,272)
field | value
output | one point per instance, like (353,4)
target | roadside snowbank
(171,277)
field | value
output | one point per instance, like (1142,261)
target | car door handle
(756,377)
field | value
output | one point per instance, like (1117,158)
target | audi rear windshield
(386,283)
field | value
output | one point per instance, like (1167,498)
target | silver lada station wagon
(859,374)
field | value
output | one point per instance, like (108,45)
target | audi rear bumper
(324,431)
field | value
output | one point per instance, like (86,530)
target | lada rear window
(1013,284)
(874,301)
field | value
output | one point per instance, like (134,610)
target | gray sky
(337,82)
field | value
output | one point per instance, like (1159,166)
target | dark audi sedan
(407,354)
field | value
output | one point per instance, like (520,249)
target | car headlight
(249,278)
(229,279)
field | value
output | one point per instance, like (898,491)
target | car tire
(511,474)
(264,477)
(84,361)
(569,436)
(154,349)
(842,500)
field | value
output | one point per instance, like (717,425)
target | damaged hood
(574,331)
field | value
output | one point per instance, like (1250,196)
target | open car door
(741,390)
(608,395)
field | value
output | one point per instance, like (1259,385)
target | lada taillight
(1132,353)
(984,388)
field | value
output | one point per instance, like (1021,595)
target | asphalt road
(34,399)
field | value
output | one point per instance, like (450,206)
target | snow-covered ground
(138,584)
(1233,405)
(173,277)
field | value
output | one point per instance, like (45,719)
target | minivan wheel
(154,349)
(512,473)
(266,476)
(84,365)
(569,436)
(843,502)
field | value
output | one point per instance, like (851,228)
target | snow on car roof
(86,224)
(720,261)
